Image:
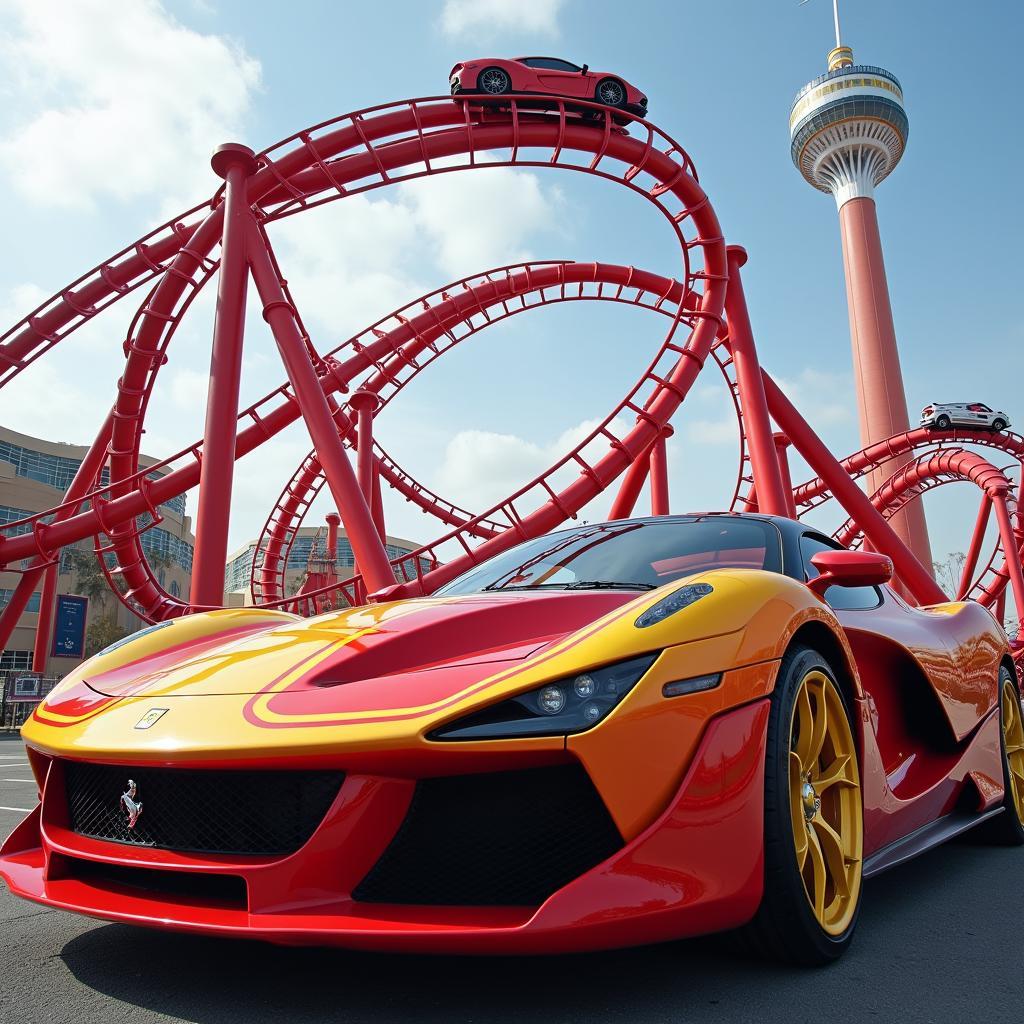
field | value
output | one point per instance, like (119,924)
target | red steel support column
(881,399)
(631,486)
(856,503)
(1009,545)
(659,475)
(44,624)
(365,404)
(333,522)
(367,547)
(234,163)
(377,504)
(771,497)
(1000,608)
(977,539)
(82,481)
(782,455)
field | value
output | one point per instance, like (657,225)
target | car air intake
(501,839)
(198,888)
(201,811)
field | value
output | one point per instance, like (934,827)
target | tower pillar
(881,400)
(848,130)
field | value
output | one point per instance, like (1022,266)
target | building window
(12,661)
(58,472)
(8,514)
(33,601)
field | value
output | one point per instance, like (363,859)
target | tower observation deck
(848,130)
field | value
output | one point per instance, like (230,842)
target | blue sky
(110,109)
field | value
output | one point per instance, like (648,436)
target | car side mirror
(849,569)
(584,69)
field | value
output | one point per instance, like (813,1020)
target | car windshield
(637,555)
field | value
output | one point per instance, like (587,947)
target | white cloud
(19,302)
(464,17)
(481,467)
(118,100)
(723,431)
(73,412)
(188,391)
(353,261)
(489,217)
(823,398)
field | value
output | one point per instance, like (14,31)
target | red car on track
(549,76)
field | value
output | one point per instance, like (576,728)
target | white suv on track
(944,415)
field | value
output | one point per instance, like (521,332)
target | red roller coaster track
(227,238)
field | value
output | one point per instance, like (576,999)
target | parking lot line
(21,810)
(18,780)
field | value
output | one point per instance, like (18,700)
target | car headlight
(675,602)
(565,706)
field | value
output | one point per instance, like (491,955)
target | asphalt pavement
(940,940)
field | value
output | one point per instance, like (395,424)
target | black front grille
(201,811)
(502,839)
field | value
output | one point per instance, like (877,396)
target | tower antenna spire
(835,18)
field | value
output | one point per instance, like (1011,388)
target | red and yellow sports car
(615,734)
(548,76)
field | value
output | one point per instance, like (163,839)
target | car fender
(638,756)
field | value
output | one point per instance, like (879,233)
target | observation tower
(848,129)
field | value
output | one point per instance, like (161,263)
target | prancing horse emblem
(131,806)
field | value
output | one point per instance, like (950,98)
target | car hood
(372,656)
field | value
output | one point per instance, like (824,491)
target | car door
(560,77)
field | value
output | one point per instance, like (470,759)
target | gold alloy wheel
(825,802)
(1013,742)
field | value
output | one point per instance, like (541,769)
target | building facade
(34,475)
(309,540)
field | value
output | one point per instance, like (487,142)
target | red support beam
(235,164)
(365,404)
(974,551)
(782,455)
(1009,545)
(83,480)
(44,624)
(856,503)
(377,503)
(771,495)
(366,544)
(632,484)
(333,522)
(659,474)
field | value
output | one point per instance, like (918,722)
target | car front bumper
(697,868)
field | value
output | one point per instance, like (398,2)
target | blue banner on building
(69,626)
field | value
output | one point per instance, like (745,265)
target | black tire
(998,426)
(1005,829)
(611,92)
(943,423)
(785,927)
(493,81)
